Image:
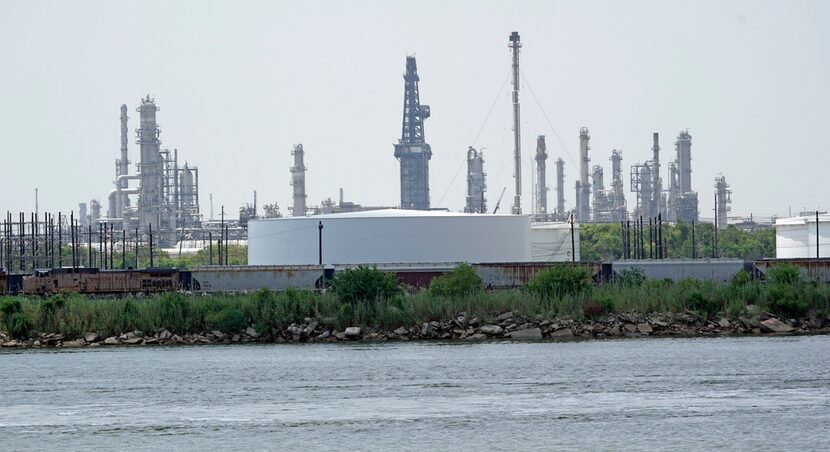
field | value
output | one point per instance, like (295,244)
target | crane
(499,201)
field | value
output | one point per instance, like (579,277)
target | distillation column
(515,45)
(298,182)
(541,182)
(150,198)
(656,184)
(412,150)
(122,168)
(560,187)
(583,210)
(723,197)
(476,184)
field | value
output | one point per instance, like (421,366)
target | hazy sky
(238,83)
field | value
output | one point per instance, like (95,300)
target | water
(665,394)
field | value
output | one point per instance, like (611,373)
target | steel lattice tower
(412,150)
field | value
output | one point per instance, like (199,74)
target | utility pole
(221,234)
(151,245)
(573,241)
(818,249)
(320,242)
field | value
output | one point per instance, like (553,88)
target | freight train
(414,276)
(246,278)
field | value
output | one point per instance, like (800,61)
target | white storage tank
(390,236)
(796,236)
(551,242)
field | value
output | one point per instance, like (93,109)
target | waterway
(761,393)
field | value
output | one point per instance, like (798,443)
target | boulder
(250,331)
(324,335)
(218,334)
(91,337)
(775,326)
(491,330)
(724,323)
(401,331)
(527,334)
(111,341)
(562,333)
(352,332)
(629,328)
(165,335)
(151,341)
(76,343)
(614,331)
(506,316)
(644,328)
(133,341)
(425,330)
(309,329)
(11,343)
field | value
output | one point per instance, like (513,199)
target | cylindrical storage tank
(390,236)
(796,237)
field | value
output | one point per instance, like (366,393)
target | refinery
(155,200)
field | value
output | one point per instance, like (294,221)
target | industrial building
(803,236)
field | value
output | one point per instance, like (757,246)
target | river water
(650,394)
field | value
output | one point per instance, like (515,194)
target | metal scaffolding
(412,150)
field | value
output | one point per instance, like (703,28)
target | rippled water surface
(666,394)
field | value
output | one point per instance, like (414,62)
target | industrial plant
(155,201)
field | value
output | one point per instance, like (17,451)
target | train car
(4,282)
(95,281)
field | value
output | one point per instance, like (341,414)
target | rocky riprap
(508,325)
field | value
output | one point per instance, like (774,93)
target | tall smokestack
(298,181)
(515,45)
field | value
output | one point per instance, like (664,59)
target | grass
(270,312)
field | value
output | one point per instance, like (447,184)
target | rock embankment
(508,325)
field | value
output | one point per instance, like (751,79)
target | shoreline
(507,326)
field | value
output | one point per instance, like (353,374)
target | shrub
(17,324)
(462,281)
(364,284)
(699,302)
(229,320)
(786,300)
(784,274)
(560,281)
(631,277)
(741,278)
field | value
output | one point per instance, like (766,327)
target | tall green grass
(559,293)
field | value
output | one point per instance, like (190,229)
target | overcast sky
(238,83)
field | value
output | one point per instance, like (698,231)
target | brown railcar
(94,281)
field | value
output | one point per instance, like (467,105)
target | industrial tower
(684,205)
(476,183)
(583,188)
(298,181)
(618,203)
(515,45)
(560,188)
(723,197)
(541,182)
(153,209)
(412,150)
